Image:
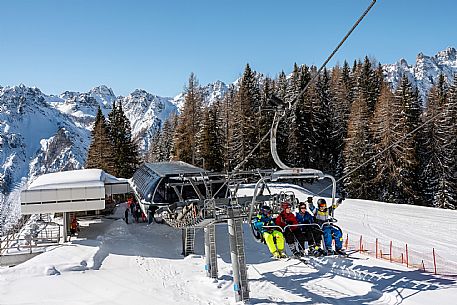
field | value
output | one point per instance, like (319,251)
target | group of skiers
(306,226)
(135,210)
(137,214)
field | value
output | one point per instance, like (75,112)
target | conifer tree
(155,153)
(247,104)
(281,87)
(189,123)
(385,135)
(226,122)
(358,150)
(446,196)
(100,154)
(368,85)
(168,131)
(396,117)
(406,113)
(209,143)
(432,166)
(161,149)
(306,119)
(265,159)
(322,124)
(126,153)
(342,88)
(292,121)
(440,166)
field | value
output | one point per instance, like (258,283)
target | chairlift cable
(241,163)
(296,97)
(291,103)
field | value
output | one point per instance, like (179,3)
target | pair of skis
(307,258)
(348,254)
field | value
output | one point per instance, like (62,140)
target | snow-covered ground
(115,263)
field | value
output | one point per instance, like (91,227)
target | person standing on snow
(322,215)
(286,220)
(74,227)
(126,215)
(270,235)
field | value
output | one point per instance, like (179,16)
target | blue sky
(59,45)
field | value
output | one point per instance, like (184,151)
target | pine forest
(381,143)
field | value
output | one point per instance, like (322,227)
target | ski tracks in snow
(177,285)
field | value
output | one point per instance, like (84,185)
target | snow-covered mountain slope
(211,93)
(36,138)
(424,73)
(146,113)
(42,133)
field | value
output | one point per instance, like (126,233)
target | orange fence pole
(376,255)
(434,260)
(407,263)
(390,251)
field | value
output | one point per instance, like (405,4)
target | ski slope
(115,263)
(422,228)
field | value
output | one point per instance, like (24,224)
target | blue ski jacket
(263,220)
(305,218)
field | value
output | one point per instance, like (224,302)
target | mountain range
(42,133)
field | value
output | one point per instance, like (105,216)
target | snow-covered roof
(74,178)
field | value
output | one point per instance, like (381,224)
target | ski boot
(316,251)
(340,252)
(329,253)
(297,254)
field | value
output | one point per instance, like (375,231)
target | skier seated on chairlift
(322,216)
(286,220)
(273,237)
(311,231)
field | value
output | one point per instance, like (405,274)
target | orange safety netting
(430,262)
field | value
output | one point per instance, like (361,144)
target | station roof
(174,168)
(74,178)
(75,190)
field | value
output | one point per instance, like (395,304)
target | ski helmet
(265,210)
(321,202)
(285,205)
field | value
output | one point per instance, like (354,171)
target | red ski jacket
(284,219)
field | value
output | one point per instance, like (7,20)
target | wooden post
(360,244)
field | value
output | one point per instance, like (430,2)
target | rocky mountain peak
(424,73)
(448,54)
